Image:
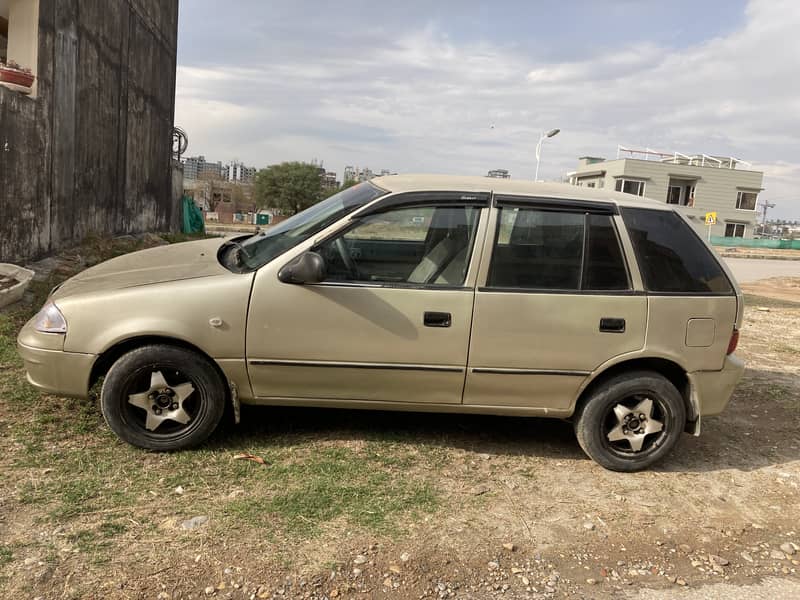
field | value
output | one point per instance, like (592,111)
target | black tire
(596,419)
(131,375)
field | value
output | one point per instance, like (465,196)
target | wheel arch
(109,356)
(669,369)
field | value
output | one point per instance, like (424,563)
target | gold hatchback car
(417,293)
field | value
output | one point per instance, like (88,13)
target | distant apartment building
(365,174)
(698,184)
(328,179)
(499,174)
(196,167)
(237,172)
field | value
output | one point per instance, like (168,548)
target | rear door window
(604,266)
(547,249)
(671,256)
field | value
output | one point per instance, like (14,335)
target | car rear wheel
(631,421)
(163,397)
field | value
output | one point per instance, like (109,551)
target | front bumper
(711,390)
(56,371)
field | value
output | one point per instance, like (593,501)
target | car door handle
(437,319)
(612,325)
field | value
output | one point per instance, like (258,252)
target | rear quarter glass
(672,258)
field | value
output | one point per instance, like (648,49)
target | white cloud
(424,102)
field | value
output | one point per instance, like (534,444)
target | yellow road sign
(711,218)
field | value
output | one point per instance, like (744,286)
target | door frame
(561,383)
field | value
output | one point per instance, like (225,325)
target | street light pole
(542,138)
(765,207)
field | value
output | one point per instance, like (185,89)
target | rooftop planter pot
(15,75)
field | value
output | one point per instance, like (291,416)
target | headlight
(50,320)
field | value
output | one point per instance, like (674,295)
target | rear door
(554,302)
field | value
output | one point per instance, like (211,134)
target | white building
(238,172)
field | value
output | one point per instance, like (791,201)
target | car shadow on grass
(734,440)
(482,434)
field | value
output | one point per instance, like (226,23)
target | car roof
(517,187)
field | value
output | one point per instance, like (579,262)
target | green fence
(743,243)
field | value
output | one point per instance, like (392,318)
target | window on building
(674,195)
(680,191)
(746,200)
(630,186)
(550,250)
(671,257)
(734,229)
(19,35)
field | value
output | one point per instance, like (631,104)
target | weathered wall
(92,152)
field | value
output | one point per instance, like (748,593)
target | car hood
(187,260)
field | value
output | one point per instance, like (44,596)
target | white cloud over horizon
(418,99)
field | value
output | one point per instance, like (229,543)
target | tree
(289,186)
(348,183)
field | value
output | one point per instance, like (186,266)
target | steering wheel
(347,259)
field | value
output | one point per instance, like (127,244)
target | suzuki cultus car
(416,293)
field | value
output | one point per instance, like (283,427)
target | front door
(554,304)
(391,322)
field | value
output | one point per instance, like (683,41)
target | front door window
(425,245)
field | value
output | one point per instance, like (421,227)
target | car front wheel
(163,398)
(630,421)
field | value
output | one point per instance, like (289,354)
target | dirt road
(752,269)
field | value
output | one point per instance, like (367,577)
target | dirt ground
(380,505)
(769,253)
(779,288)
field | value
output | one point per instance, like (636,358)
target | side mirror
(309,267)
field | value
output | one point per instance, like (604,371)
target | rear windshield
(671,256)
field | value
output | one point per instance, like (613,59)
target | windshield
(257,250)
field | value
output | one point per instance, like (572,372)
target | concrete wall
(715,189)
(91,154)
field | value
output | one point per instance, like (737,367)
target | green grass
(6,555)
(338,482)
(303,486)
(67,469)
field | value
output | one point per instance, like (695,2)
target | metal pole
(538,157)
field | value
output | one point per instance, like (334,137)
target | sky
(462,87)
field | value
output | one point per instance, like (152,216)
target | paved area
(769,589)
(752,269)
